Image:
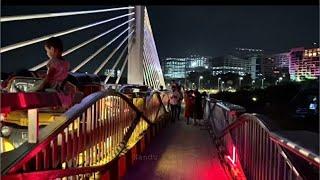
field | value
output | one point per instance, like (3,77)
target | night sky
(214,30)
(178,31)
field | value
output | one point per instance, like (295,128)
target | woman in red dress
(189,103)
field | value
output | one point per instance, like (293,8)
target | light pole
(252,83)
(262,82)
(219,84)
(222,85)
(240,78)
(280,79)
(200,77)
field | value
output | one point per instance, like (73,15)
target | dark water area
(288,104)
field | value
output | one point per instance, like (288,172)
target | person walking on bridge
(174,100)
(189,105)
(198,111)
(179,101)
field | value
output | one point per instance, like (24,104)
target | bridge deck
(179,151)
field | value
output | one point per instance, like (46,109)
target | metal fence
(248,146)
(87,137)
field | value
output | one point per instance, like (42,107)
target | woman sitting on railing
(57,66)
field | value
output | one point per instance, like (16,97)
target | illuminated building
(255,58)
(174,68)
(178,68)
(196,61)
(109,71)
(304,63)
(230,64)
(112,72)
(282,60)
(275,65)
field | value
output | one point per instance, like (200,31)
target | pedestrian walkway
(180,151)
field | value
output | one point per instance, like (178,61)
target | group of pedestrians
(192,101)
(193,106)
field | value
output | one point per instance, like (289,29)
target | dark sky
(214,30)
(178,31)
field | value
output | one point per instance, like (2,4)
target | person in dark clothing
(198,111)
(189,105)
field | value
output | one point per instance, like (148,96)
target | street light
(280,79)
(219,83)
(200,77)
(253,81)
(240,78)
(222,85)
(262,82)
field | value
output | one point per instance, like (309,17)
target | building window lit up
(254,56)
(178,68)
(230,64)
(175,68)
(304,63)
(109,71)
(276,65)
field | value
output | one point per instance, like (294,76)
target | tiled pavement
(179,151)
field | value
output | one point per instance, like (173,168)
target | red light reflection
(22,100)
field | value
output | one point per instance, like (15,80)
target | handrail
(49,134)
(251,137)
(296,149)
(285,143)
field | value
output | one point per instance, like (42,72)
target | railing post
(33,125)
(135,50)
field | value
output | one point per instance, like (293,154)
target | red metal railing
(248,144)
(87,138)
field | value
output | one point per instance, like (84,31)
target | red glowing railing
(23,100)
(247,144)
(86,139)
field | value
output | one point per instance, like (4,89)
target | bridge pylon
(135,50)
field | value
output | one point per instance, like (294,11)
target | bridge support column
(135,50)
